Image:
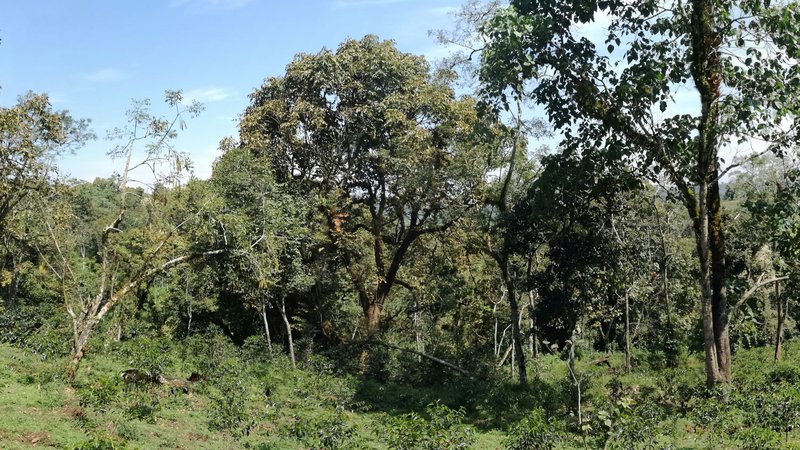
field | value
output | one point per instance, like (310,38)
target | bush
(321,432)
(42,330)
(756,438)
(535,432)
(101,442)
(100,393)
(152,355)
(442,430)
(143,406)
(229,399)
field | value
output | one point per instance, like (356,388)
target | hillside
(254,401)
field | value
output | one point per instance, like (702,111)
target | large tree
(383,147)
(99,260)
(616,92)
(32,135)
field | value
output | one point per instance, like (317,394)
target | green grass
(276,406)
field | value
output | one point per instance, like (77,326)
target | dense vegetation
(381,260)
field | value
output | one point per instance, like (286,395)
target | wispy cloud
(208,94)
(365,3)
(206,6)
(106,75)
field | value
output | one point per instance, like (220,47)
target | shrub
(101,442)
(100,393)
(535,432)
(42,330)
(148,354)
(229,398)
(442,430)
(323,432)
(756,438)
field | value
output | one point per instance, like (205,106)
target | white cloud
(206,6)
(208,94)
(106,75)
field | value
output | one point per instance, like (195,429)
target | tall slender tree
(616,93)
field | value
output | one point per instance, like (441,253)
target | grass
(267,404)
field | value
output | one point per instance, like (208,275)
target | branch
(432,358)
(759,284)
(145,274)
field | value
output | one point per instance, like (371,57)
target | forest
(535,243)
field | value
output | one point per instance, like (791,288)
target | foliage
(535,432)
(441,429)
(320,432)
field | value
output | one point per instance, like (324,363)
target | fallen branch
(430,357)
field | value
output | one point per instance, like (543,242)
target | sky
(93,57)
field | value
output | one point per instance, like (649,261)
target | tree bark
(11,302)
(783,306)
(82,328)
(713,376)
(288,332)
(719,292)
(534,341)
(266,326)
(627,334)
(516,334)
(706,70)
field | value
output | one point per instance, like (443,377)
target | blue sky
(93,56)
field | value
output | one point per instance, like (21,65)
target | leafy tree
(614,95)
(383,147)
(268,231)
(32,135)
(99,265)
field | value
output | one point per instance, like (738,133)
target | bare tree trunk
(719,295)
(534,344)
(576,381)
(189,307)
(417,337)
(704,254)
(288,331)
(627,333)
(189,324)
(266,326)
(13,289)
(82,328)
(516,334)
(706,69)
(373,318)
(782,310)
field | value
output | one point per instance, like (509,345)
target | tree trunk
(719,293)
(782,310)
(11,302)
(516,334)
(81,329)
(266,326)
(575,380)
(372,315)
(189,324)
(713,376)
(706,70)
(288,331)
(627,334)
(532,324)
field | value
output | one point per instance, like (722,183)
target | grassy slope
(37,409)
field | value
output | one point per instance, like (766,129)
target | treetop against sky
(93,56)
